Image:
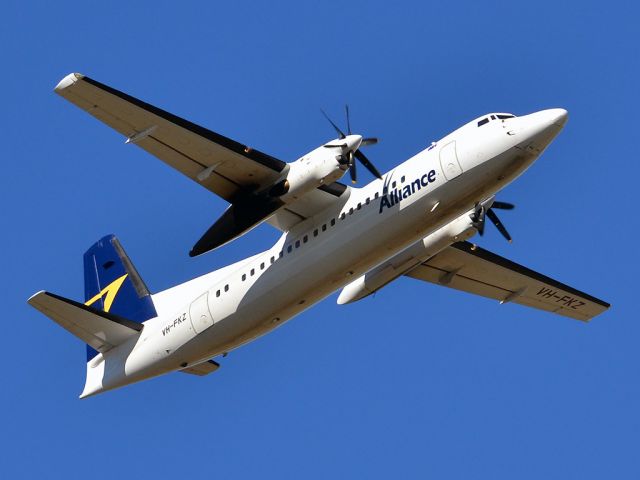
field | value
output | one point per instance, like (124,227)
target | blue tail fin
(112,284)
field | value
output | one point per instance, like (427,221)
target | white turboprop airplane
(415,220)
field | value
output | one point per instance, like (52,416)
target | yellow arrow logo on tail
(109,293)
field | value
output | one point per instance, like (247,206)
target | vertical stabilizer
(112,284)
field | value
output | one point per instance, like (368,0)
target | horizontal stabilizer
(202,369)
(101,330)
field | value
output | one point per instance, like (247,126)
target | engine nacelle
(320,167)
(458,230)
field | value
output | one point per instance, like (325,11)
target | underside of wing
(239,174)
(223,166)
(472,269)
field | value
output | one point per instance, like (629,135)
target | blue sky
(418,382)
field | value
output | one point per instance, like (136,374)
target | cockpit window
(504,117)
(483,121)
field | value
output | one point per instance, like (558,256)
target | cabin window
(253,272)
(297,243)
(244,277)
(218,293)
(367,201)
(262,266)
(324,226)
(273,259)
(315,232)
(402,179)
(226,288)
(333,222)
(305,239)
(359,205)
(289,248)
(343,216)
(351,211)
(281,254)
(393,185)
(377,195)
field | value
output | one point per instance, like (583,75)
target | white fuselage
(220,311)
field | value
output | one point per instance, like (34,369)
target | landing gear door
(199,313)
(449,161)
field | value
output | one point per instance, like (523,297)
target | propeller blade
(368,141)
(340,132)
(478,219)
(346,108)
(496,221)
(352,172)
(503,205)
(367,164)
(338,145)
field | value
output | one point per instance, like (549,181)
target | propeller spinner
(351,148)
(480,214)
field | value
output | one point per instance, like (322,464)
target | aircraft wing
(476,270)
(234,171)
(225,167)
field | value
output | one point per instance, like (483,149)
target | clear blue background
(418,382)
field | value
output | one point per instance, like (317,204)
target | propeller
(347,157)
(481,212)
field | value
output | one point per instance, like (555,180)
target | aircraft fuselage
(439,185)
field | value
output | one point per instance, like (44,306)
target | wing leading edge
(236,172)
(223,166)
(472,269)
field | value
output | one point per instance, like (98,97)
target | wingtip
(31,299)
(67,81)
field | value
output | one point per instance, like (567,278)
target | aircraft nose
(558,116)
(543,126)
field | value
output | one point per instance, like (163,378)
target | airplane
(415,221)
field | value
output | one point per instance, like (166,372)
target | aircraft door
(199,313)
(449,161)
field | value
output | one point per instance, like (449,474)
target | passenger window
(289,248)
(244,277)
(281,254)
(351,211)
(226,288)
(367,201)
(297,243)
(253,272)
(402,179)
(324,226)
(273,259)
(359,205)
(333,222)
(218,293)
(262,266)
(343,216)
(305,239)
(377,195)
(393,185)
(315,232)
